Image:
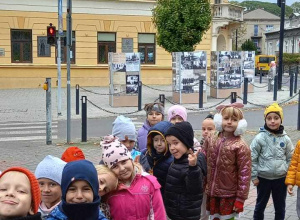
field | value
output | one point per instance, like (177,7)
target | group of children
(162,171)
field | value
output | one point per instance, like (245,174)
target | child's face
(177,148)
(123,170)
(15,195)
(50,192)
(128,143)
(154,117)
(176,119)
(208,126)
(79,191)
(229,124)
(107,183)
(159,144)
(273,121)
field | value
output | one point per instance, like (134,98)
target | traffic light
(51,34)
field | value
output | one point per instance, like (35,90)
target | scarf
(279,131)
(81,211)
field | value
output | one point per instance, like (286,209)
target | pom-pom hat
(34,186)
(274,108)
(72,153)
(177,110)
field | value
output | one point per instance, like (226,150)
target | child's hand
(238,206)
(193,157)
(255,182)
(290,189)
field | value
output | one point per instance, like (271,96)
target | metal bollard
(298,124)
(140,96)
(260,76)
(275,88)
(201,93)
(291,84)
(83,119)
(233,97)
(47,87)
(245,99)
(77,99)
(162,99)
(296,79)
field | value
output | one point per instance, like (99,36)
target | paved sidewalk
(30,104)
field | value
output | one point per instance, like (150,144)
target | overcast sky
(288,2)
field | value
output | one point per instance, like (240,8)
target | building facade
(99,27)
(291,41)
(257,23)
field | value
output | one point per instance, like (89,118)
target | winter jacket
(57,214)
(45,211)
(134,153)
(183,190)
(271,155)
(153,162)
(142,135)
(36,216)
(228,167)
(139,201)
(293,174)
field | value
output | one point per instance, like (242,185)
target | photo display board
(248,58)
(187,70)
(226,69)
(124,71)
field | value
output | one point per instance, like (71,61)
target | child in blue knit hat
(124,130)
(48,173)
(80,199)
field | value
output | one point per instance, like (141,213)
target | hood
(160,128)
(262,129)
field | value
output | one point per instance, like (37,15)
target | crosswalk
(26,131)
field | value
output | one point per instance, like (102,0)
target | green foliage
(181,23)
(248,45)
(267,6)
(296,7)
(290,59)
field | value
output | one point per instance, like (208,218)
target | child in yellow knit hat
(271,153)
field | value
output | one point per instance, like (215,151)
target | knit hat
(113,151)
(177,110)
(79,170)
(34,185)
(275,108)
(184,132)
(122,127)
(155,106)
(72,154)
(51,168)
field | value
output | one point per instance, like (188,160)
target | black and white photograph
(132,62)
(193,60)
(132,82)
(248,58)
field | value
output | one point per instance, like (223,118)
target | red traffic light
(51,30)
(51,35)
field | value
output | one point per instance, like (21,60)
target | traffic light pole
(60,33)
(69,44)
(281,38)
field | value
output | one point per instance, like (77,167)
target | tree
(248,45)
(296,7)
(181,23)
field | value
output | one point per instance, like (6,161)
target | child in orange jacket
(293,176)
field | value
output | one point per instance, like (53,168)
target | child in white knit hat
(49,173)
(124,130)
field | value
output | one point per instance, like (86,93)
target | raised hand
(193,157)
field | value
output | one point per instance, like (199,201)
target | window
(106,44)
(255,41)
(146,47)
(64,49)
(255,30)
(269,28)
(21,46)
(286,46)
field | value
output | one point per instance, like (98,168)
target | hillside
(267,6)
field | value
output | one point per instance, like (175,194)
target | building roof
(260,14)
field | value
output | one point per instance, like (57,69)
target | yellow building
(98,27)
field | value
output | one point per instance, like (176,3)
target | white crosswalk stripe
(137,124)
(26,131)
